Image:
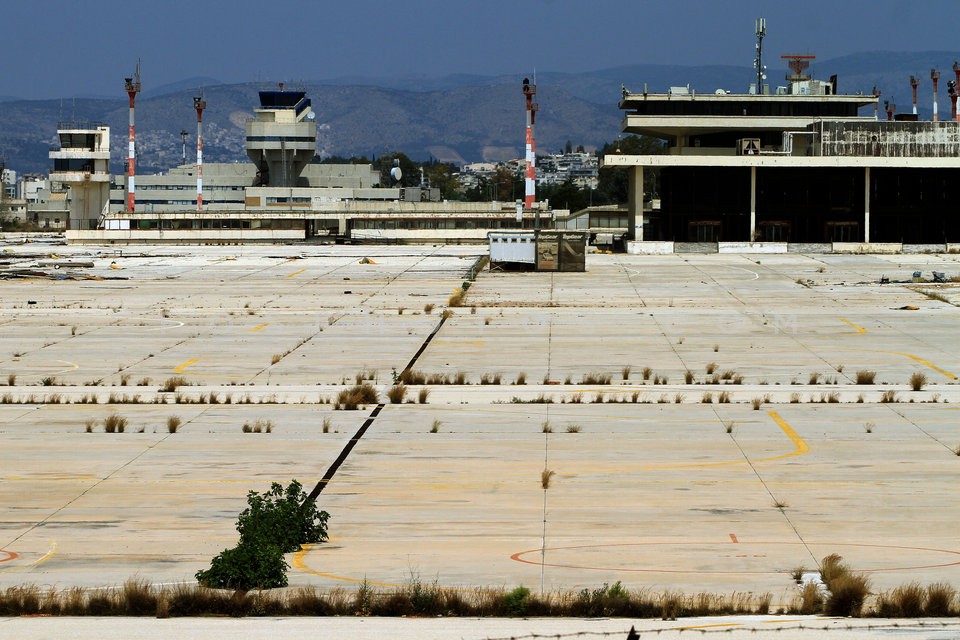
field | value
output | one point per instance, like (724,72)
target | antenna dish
(396,174)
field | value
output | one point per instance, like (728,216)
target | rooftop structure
(82,162)
(282,138)
(796,164)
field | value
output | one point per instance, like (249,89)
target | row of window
(226,223)
(415,224)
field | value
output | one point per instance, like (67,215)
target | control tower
(282,138)
(83,163)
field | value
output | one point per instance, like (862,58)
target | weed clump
(918,381)
(865,377)
(350,399)
(173,423)
(396,393)
(848,590)
(114,423)
(596,378)
(171,384)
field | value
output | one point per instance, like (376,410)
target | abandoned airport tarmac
(655,486)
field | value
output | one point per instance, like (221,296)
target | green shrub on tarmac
(275,522)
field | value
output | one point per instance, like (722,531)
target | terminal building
(280,196)
(799,165)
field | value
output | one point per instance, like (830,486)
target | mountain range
(457,118)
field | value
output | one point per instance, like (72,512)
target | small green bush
(275,522)
(515,602)
(250,565)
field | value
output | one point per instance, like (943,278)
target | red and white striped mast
(935,76)
(199,104)
(530,175)
(132,85)
(914,83)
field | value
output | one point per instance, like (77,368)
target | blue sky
(58,48)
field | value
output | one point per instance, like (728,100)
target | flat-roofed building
(800,165)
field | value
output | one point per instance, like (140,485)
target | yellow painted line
(710,626)
(183,367)
(925,363)
(299,563)
(259,326)
(450,481)
(296,273)
(801,446)
(47,556)
(859,329)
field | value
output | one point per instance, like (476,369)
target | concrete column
(753,204)
(866,205)
(635,205)
(342,225)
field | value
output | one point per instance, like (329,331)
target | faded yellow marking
(800,448)
(859,329)
(710,626)
(183,367)
(925,363)
(300,564)
(41,560)
(259,326)
(296,273)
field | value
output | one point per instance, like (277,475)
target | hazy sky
(57,48)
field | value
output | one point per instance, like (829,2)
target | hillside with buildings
(454,118)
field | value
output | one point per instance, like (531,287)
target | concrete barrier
(649,248)
(868,247)
(752,247)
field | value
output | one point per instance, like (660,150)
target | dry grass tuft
(865,377)
(173,423)
(545,477)
(171,384)
(396,393)
(114,423)
(360,394)
(596,378)
(918,381)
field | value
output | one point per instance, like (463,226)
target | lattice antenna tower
(760,30)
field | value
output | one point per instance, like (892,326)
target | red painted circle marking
(519,556)
(10,555)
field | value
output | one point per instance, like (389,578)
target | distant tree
(409,169)
(341,160)
(614,182)
(440,175)
(507,185)
(566,195)
(568,148)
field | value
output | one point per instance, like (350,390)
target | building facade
(800,165)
